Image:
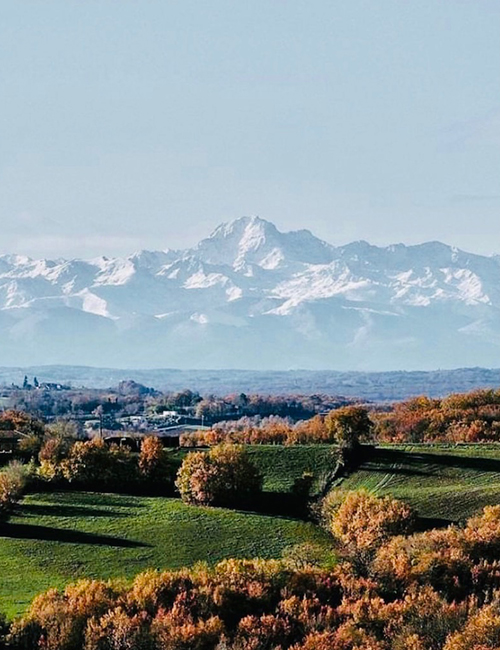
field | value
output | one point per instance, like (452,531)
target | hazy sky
(144,124)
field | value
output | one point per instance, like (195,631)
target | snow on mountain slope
(251,240)
(252,296)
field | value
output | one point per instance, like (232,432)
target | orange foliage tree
(363,522)
(222,476)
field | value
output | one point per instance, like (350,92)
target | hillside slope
(443,483)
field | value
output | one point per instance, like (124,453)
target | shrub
(222,476)
(65,429)
(14,420)
(30,446)
(12,483)
(329,507)
(436,558)
(117,630)
(195,478)
(52,454)
(307,554)
(183,633)
(482,631)
(57,621)
(92,462)
(363,522)
(259,633)
(152,464)
(302,485)
(482,534)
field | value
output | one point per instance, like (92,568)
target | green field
(59,537)
(281,465)
(449,483)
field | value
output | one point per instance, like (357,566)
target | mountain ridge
(251,296)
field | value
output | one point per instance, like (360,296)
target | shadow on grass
(84,496)
(48,534)
(425,464)
(417,462)
(59,510)
(277,504)
(429,523)
(104,498)
(106,494)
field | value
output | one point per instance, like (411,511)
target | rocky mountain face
(250,296)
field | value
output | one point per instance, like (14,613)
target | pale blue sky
(143,124)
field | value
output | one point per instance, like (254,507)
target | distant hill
(365,385)
(251,296)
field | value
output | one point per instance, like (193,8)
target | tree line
(459,418)
(131,398)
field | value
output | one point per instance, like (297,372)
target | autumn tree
(52,454)
(93,462)
(153,464)
(221,476)
(12,483)
(59,438)
(363,522)
(482,534)
(481,632)
(14,420)
(349,425)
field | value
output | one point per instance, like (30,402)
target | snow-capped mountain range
(250,296)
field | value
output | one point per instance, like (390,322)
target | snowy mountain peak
(252,226)
(248,240)
(254,241)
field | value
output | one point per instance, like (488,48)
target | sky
(131,124)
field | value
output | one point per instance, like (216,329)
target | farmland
(58,537)
(442,482)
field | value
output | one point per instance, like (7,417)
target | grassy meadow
(282,465)
(58,537)
(442,482)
